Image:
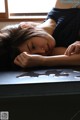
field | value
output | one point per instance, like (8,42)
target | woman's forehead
(37,38)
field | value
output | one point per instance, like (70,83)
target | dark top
(67,30)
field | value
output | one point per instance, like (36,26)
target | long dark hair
(11,37)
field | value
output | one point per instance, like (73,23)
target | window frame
(21,16)
(4,14)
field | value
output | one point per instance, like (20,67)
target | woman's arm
(27,60)
(62,60)
(49,25)
(65,4)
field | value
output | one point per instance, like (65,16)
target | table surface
(41,82)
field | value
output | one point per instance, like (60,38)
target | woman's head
(37,45)
(37,41)
(16,39)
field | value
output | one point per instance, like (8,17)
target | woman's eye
(33,47)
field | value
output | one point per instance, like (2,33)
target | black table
(40,94)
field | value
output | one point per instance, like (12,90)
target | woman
(37,47)
(64,26)
(16,39)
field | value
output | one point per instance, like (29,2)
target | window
(27,8)
(3,9)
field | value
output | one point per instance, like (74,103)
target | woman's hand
(26,60)
(73,48)
(28,24)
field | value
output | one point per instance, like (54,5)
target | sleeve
(55,14)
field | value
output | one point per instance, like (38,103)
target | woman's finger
(17,62)
(22,59)
(77,49)
(70,50)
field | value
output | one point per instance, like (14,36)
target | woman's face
(38,45)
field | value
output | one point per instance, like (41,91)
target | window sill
(23,18)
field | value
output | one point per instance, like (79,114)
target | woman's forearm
(61,60)
(27,60)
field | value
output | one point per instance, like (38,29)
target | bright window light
(30,6)
(2,6)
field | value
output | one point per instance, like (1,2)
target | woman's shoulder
(66,4)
